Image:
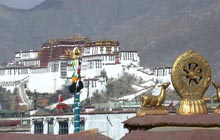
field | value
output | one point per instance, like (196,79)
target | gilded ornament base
(191,107)
(151,111)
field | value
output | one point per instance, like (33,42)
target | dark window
(38,127)
(50,127)
(63,128)
(82,126)
(54,67)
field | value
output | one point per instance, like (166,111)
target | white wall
(45,82)
(109,124)
(113,71)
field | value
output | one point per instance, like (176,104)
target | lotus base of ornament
(192,107)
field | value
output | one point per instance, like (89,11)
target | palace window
(87,51)
(24,71)
(101,50)
(132,56)
(124,56)
(54,67)
(82,126)
(38,127)
(98,64)
(92,84)
(129,56)
(50,127)
(63,128)
(111,58)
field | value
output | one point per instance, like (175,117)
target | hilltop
(159,30)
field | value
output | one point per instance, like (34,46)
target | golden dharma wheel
(191,76)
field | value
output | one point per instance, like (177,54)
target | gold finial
(76,53)
(51,41)
(155,101)
(68,53)
(153,104)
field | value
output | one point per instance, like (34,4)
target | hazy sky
(21,4)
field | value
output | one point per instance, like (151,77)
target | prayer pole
(76,86)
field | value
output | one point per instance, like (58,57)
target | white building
(47,70)
(108,123)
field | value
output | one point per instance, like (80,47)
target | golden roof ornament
(217,87)
(155,100)
(75,37)
(68,53)
(51,41)
(191,77)
(153,104)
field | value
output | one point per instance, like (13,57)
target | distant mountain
(159,29)
(21,4)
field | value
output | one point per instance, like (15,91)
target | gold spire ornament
(191,77)
(155,100)
(153,104)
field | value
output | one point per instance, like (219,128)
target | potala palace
(49,69)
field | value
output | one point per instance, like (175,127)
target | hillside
(160,30)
